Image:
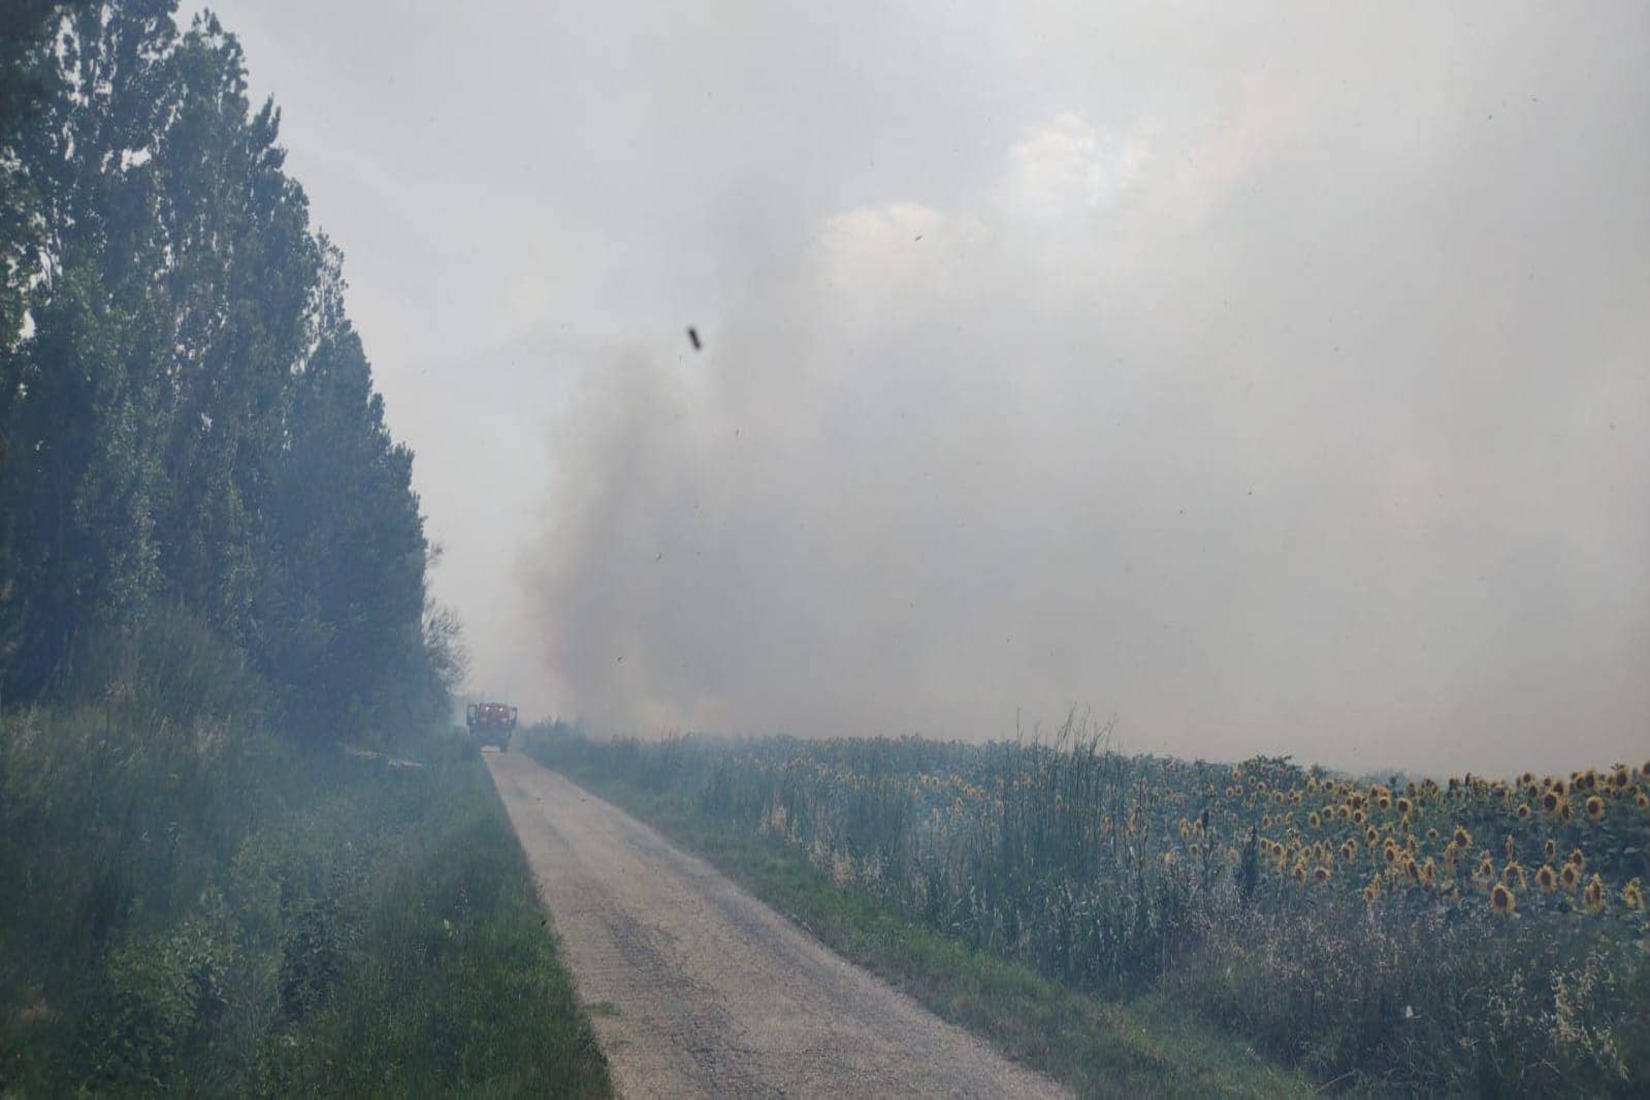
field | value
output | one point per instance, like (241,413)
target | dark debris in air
(693,337)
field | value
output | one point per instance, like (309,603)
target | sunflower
(1551,849)
(1642,800)
(1432,835)
(1569,877)
(1578,859)
(1349,850)
(1557,787)
(1507,846)
(1523,811)
(1405,805)
(1461,837)
(1358,817)
(1552,801)
(1513,875)
(1389,852)
(1594,895)
(1321,874)
(1565,814)
(1314,820)
(1371,835)
(1502,899)
(1620,777)
(1632,895)
(1429,872)
(1595,807)
(1546,879)
(1372,891)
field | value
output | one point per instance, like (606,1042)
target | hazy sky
(1274,379)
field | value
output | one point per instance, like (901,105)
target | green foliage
(454,980)
(208,538)
(238,915)
(1354,930)
(27,76)
(1099,1048)
(191,421)
(1434,1003)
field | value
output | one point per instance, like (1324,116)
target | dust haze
(1271,380)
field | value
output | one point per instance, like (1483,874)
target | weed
(1415,935)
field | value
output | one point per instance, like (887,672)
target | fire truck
(491,723)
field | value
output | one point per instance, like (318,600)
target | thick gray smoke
(1319,428)
(1275,381)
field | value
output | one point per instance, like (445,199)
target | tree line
(189,419)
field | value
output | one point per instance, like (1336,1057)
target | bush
(194,904)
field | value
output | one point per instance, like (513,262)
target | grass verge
(455,984)
(203,908)
(1138,1048)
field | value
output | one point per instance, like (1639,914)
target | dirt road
(697,989)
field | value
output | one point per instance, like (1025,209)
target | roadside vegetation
(242,852)
(1099,1046)
(1469,935)
(194,904)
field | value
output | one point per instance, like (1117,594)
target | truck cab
(491,723)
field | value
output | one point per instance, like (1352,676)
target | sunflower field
(1467,934)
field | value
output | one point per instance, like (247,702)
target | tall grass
(191,903)
(1346,928)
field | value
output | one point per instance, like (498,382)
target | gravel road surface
(698,989)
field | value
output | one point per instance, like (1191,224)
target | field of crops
(1463,934)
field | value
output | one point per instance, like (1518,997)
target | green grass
(1384,939)
(200,907)
(1135,1048)
(455,984)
